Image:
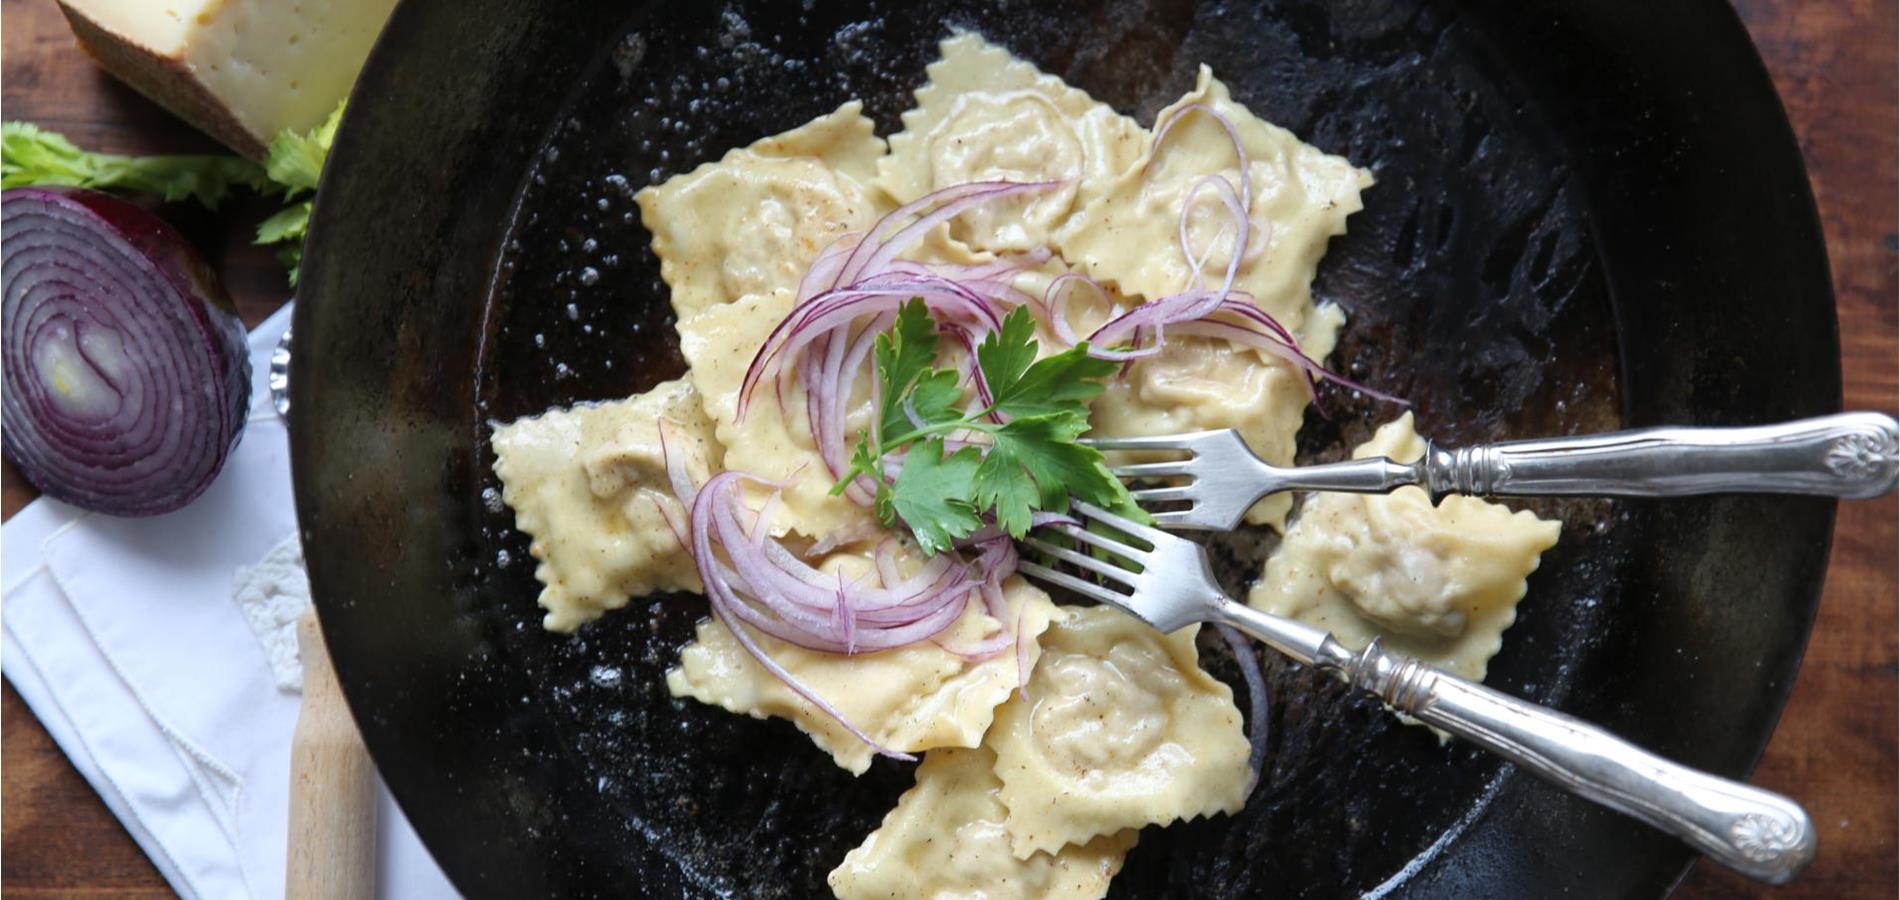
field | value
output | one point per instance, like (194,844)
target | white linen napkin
(124,638)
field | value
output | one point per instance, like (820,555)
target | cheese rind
(239,70)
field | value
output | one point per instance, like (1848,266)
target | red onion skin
(184,277)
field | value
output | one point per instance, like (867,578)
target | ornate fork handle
(1854,455)
(1759,833)
(1847,455)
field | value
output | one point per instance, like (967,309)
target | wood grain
(1835,749)
(332,854)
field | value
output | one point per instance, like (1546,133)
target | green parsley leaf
(1032,462)
(1062,469)
(903,356)
(296,160)
(1022,385)
(934,399)
(30,155)
(863,462)
(932,494)
(1003,484)
(1008,352)
(1058,385)
(287,224)
(1123,504)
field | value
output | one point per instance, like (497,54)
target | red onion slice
(755,583)
(827,340)
(127,376)
(1257,701)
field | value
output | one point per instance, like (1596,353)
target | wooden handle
(332,788)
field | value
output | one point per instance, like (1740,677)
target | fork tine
(1149,442)
(1083,561)
(1153,469)
(1063,579)
(1150,495)
(1178,518)
(1104,542)
(1126,526)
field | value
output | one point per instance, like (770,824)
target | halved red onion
(127,377)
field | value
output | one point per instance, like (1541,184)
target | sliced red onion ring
(815,340)
(1233,135)
(127,377)
(859,276)
(755,583)
(890,236)
(1257,700)
(851,294)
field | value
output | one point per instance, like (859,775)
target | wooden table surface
(1835,750)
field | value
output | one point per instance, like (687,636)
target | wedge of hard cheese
(240,70)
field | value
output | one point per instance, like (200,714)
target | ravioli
(588,485)
(1118,728)
(755,220)
(773,440)
(1198,384)
(985,115)
(1440,583)
(1034,790)
(1031,283)
(917,697)
(1301,198)
(946,840)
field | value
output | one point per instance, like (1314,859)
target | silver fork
(1169,585)
(1851,455)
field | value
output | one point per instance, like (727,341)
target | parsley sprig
(30,155)
(1032,461)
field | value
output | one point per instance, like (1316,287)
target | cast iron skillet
(1588,215)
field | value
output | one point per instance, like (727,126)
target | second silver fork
(1169,585)
(1852,455)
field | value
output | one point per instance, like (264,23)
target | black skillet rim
(492,846)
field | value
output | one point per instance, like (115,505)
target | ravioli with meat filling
(754,221)
(1438,582)
(1118,728)
(918,697)
(985,115)
(588,484)
(947,839)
